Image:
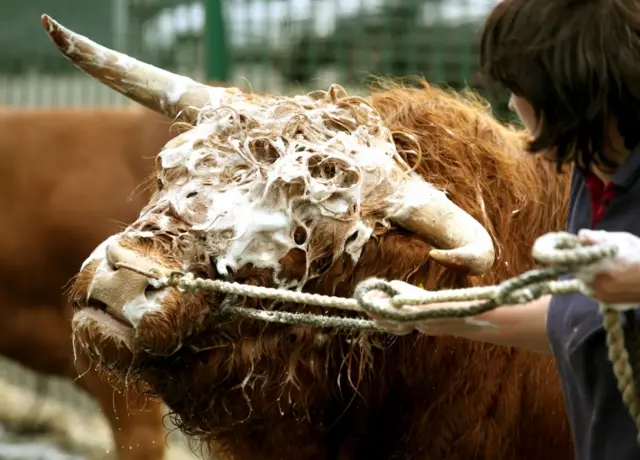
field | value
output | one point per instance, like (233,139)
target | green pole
(217,56)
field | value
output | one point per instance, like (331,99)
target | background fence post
(217,55)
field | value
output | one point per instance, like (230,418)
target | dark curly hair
(577,62)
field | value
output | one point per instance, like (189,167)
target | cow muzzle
(123,293)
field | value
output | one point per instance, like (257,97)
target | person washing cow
(572,68)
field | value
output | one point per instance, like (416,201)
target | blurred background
(281,46)
(270,45)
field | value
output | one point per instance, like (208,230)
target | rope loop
(568,250)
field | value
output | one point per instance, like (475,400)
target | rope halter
(564,253)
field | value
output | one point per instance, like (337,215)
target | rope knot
(184,282)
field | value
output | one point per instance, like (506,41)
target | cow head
(277,191)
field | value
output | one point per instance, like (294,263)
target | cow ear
(174,95)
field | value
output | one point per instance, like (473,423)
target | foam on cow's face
(264,190)
(257,179)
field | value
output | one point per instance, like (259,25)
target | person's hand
(617,280)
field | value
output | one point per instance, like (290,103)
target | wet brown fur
(68,179)
(254,391)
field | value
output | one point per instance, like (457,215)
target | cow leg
(39,337)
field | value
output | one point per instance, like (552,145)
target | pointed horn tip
(55,32)
(477,263)
(49,23)
(61,37)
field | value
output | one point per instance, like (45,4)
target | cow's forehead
(325,160)
(293,127)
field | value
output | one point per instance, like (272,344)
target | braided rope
(564,252)
(619,357)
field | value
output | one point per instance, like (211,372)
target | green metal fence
(345,40)
(306,44)
(269,45)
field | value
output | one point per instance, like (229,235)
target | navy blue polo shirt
(602,427)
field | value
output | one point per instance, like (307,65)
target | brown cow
(318,192)
(69,178)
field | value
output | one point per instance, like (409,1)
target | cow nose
(118,256)
(120,290)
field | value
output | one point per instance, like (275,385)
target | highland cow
(317,192)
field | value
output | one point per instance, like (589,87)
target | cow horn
(150,86)
(461,240)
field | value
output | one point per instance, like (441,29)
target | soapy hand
(617,280)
